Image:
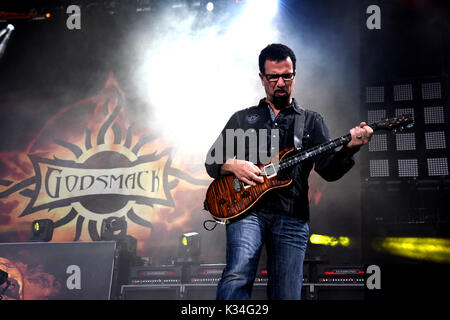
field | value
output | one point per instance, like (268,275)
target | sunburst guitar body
(227,197)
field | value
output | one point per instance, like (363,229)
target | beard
(281,102)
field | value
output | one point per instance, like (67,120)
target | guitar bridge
(270,171)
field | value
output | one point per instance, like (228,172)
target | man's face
(279,90)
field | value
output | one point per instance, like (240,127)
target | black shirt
(293,199)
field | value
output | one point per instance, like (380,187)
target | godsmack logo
(109,177)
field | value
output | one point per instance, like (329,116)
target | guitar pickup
(237,185)
(270,171)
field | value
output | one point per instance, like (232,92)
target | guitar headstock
(396,123)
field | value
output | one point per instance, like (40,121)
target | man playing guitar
(280,218)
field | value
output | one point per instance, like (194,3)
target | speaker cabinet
(337,292)
(199,292)
(151,292)
(184,292)
(208,292)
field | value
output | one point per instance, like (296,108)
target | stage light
(210,6)
(433,115)
(4,39)
(408,168)
(263,9)
(374,94)
(403,92)
(437,166)
(206,55)
(48,15)
(330,241)
(41,230)
(435,140)
(189,248)
(405,141)
(379,168)
(378,143)
(113,228)
(428,249)
(431,91)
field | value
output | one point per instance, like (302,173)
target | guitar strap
(299,127)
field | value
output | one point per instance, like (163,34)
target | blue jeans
(285,238)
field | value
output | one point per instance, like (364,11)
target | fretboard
(402,122)
(315,151)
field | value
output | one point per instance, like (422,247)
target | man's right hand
(243,170)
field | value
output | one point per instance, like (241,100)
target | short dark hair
(275,52)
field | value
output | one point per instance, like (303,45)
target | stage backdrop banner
(58,271)
(92,161)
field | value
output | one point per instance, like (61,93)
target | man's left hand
(361,135)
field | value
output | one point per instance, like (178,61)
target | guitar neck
(385,124)
(321,148)
(315,151)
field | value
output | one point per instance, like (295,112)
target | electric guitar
(227,197)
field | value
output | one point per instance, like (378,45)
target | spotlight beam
(427,249)
(8,30)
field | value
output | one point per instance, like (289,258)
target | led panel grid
(433,115)
(379,168)
(437,166)
(408,168)
(404,111)
(374,94)
(405,141)
(431,90)
(375,115)
(435,140)
(378,143)
(403,92)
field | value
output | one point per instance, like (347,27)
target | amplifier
(164,274)
(341,274)
(206,274)
(212,273)
(151,292)
(261,275)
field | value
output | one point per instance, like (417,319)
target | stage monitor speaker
(259,291)
(151,292)
(200,292)
(338,292)
(208,292)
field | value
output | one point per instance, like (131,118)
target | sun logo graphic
(104,169)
